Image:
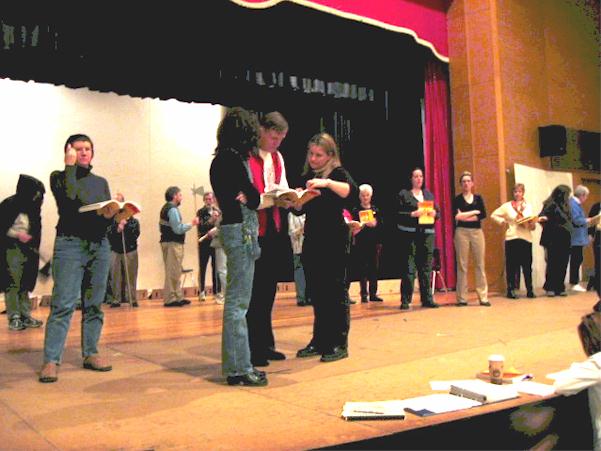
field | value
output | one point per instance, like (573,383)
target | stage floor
(166,390)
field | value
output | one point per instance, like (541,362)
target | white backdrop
(142,146)
(539,184)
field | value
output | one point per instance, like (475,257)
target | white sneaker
(202,296)
(578,288)
(219,299)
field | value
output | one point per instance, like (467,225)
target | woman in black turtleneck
(81,260)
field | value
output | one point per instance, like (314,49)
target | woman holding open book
(417,214)
(518,215)
(324,248)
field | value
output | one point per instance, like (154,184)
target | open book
(427,206)
(526,219)
(125,209)
(366,216)
(298,198)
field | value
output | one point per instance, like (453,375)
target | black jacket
(28,200)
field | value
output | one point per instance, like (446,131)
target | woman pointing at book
(518,215)
(324,248)
(417,214)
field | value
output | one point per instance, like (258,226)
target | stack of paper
(378,410)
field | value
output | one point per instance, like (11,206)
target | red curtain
(438,162)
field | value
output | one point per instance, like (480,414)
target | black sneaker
(115,304)
(31,323)
(16,324)
(332,355)
(254,379)
(430,305)
(375,299)
(531,295)
(307,351)
(404,306)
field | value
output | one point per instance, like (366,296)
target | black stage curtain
(360,83)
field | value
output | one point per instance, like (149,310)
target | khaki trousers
(173,256)
(467,240)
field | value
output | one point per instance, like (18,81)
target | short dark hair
(78,137)
(274,121)
(171,192)
(589,331)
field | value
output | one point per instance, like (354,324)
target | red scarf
(519,208)
(256,170)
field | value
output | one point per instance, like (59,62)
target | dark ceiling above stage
(177,52)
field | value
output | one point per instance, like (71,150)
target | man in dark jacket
(20,234)
(124,260)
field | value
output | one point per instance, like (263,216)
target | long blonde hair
(327,143)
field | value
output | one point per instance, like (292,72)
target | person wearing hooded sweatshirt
(20,234)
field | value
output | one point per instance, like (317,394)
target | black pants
(558,256)
(205,251)
(324,264)
(366,258)
(597,251)
(265,281)
(416,255)
(576,258)
(518,257)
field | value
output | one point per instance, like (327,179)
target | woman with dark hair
(555,238)
(469,212)
(416,233)
(324,248)
(237,137)
(518,240)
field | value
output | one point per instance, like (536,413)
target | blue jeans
(80,270)
(242,249)
(299,279)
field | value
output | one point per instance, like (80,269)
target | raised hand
(70,156)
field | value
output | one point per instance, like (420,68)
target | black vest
(167,233)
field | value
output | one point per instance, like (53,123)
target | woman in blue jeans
(238,199)
(81,260)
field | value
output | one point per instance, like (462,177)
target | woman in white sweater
(518,240)
(587,374)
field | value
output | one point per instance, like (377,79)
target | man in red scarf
(268,173)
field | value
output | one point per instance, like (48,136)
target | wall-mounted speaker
(552,140)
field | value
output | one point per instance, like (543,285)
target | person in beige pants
(469,211)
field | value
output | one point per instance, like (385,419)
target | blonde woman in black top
(469,212)
(324,248)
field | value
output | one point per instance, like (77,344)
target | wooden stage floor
(166,390)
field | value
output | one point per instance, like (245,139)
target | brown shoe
(96,363)
(49,373)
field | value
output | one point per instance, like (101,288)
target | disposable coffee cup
(496,362)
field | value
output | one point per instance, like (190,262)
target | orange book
(427,206)
(366,216)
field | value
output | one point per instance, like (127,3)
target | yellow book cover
(427,206)
(366,216)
